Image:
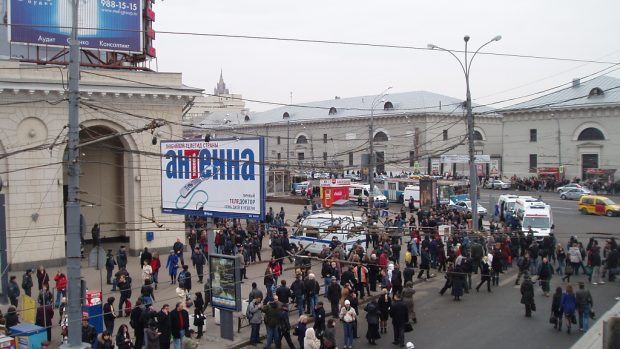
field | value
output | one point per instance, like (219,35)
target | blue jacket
(172,264)
(569,303)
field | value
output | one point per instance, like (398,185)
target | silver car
(574,194)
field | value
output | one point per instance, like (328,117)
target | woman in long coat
(372,317)
(407,296)
(172,264)
(384,303)
(527,296)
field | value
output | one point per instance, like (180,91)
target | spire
(221,86)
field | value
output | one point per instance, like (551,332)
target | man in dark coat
(13,291)
(179,324)
(121,258)
(399,315)
(27,282)
(135,321)
(283,292)
(527,296)
(185,279)
(199,261)
(334,291)
(163,326)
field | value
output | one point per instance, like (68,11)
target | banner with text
(464,159)
(221,178)
(111,25)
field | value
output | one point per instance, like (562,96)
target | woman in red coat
(155,265)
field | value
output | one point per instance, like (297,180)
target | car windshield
(536,222)
(608,202)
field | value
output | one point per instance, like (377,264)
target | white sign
(221,178)
(464,159)
(494,167)
(435,167)
(335,182)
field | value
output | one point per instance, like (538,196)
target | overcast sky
(270,71)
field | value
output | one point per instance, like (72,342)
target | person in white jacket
(348,317)
(310,340)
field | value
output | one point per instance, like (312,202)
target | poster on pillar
(221,178)
(435,166)
(494,172)
(480,170)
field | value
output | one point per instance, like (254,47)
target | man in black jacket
(334,291)
(297,288)
(179,324)
(399,315)
(283,292)
(163,326)
(135,321)
(199,261)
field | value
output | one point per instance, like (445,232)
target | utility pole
(371,139)
(74,293)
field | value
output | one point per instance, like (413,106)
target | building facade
(119,158)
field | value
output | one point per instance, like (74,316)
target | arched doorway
(102,182)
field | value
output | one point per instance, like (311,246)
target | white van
(535,214)
(312,232)
(506,203)
(356,189)
(412,191)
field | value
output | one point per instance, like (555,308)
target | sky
(271,70)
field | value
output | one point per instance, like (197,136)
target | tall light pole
(371,131)
(473,176)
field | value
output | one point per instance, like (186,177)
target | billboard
(221,178)
(109,25)
(225,278)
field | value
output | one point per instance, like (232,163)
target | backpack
(466,265)
(248,313)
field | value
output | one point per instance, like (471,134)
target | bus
(394,188)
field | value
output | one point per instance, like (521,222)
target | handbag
(533,306)
(553,320)
(568,270)
(573,319)
(408,327)
(592,314)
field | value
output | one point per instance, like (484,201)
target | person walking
(61,287)
(110,264)
(163,326)
(255,317)
(172,264)
(124,286)
(569,305)
(545,271)
(334,292)
(384,303)
(109,315)
(272,318)
(348,316)
(310,340)
(199,317)
(527,296)
(372,318)
(155,266)
(584,302)
(284,328)
(485,274)
(179,324)
(407,297)
(595,261)
(398,313)
(556,308)
(199,261)
(300,330)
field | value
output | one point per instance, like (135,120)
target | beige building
(411,130)
(573,131)
(120,166)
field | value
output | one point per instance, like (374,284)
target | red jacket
(155,264)
(61,281)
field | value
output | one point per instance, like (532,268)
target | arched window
(247,118)
(380,137)
(597,91)
(285,115)
(591,134)
(332,111)
(388,106)
(478,136)
(301,140)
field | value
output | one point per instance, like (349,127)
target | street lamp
(371,136)
(473,177)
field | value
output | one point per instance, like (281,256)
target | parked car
(574,194)
(465,206)
(568,187)
(496,184)
(353,177)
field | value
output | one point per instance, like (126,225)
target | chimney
(576,82)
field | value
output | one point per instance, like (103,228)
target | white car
(465,206)
(496,184)
(574,194)
(568,187)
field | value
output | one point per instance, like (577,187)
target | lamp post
(371,131)
(473,176)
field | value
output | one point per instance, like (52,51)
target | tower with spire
(221,89)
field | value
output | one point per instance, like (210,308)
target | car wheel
(610,213)
(563,197)
(583,211)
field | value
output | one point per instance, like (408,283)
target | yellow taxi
(600,205)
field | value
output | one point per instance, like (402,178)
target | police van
(363,190)
(320,229)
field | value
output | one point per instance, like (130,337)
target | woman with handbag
(569,304)
(556,309)
(568,271)
(199,317)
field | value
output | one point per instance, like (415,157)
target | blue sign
(109,25)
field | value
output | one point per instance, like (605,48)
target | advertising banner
(426,194)
(225,279)
(494,167)
(110,25)
(464,159)
(435,167)
(222,178)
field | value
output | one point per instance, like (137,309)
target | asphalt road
(486,320)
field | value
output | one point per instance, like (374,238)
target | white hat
(410,345)
(346,302)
